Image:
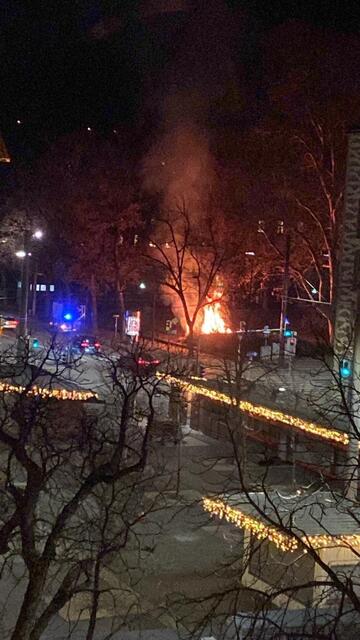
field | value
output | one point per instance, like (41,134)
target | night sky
(91,63)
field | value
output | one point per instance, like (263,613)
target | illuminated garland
(59,394)
(242,521)
(285,542)
(258,411)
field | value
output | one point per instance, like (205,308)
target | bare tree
(74,469)
(291,531)
(190,254)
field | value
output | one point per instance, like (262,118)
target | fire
(213,321)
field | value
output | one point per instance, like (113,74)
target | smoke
(199,89)
(180,166)
(198,92)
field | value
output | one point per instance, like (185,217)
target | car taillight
(147,362)
(84,343)
(97,345)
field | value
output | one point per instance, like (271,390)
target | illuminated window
(43,287)
(37,287)
(51,287)
(280,227)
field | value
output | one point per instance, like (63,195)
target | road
(300,377)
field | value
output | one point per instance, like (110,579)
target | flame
(213,321)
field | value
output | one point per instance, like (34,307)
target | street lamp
(142,286)
(251,255)
(25,254)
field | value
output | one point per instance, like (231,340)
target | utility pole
(284,299)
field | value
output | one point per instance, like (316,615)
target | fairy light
(283,541)
(43,392)
(259,411)
(243,521)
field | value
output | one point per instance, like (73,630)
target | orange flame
(213,321)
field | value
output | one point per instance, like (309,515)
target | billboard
(132,324)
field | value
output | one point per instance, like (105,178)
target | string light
(261,531)
(242,521)
(258,411)
(43,392)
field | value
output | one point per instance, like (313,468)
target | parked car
(8,322)
(85,344)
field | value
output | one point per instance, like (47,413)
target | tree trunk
(32,598)
(120,292)
(190,338)
(95,601)
(94,314)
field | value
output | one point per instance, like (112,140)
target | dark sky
(65,65)
(342,15)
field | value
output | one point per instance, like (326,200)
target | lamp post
(284,299)
(251,256)
(143,286)
(25,254)
(24,295)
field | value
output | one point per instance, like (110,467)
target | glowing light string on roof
(283,541)
(259,411)
(43,392)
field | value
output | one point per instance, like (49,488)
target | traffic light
(288,333)
(68,316)
(35,343)
(345,369)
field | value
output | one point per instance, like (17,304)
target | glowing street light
(152,292)
(25,254)
(251,254)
